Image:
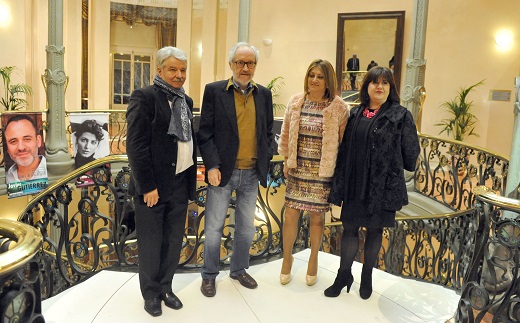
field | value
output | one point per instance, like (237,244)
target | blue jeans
(245,183)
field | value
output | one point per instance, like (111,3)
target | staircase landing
(112,296)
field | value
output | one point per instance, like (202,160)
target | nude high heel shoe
(286,278)
(311,280)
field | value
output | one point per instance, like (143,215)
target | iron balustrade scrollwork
(439,248)
(85,229)
(436,248)
(448,170)
(492,283)
(91,228)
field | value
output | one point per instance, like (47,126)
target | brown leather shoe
(245,280)
(208,287)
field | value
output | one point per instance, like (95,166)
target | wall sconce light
(504,40)
(268,41)
(5,14)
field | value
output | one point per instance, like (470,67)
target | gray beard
(25,162)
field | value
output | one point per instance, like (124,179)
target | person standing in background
(353,65)
(372,64)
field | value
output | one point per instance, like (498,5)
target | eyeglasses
(241,64)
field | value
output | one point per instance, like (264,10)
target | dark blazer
(218,130)
(350,64)
(394,146)
(152,152)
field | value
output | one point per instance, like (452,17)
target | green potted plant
(275,86)
(11,100)
(462,122)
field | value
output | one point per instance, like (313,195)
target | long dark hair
(373,75)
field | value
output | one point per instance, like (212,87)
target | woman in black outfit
(380,141)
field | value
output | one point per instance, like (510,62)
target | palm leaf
(10,101)
(462,122)
(275,85)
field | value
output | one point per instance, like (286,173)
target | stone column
(413,89)
(513,174)
(59,161)
(244,11)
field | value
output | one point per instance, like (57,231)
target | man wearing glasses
(235,140)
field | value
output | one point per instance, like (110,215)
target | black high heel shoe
(365,289)
(344,278)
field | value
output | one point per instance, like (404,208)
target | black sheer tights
(350,247)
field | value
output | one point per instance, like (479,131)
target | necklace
(369,114)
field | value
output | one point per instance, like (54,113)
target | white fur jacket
(334,121)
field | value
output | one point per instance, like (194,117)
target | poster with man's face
(90,140)
(24,151)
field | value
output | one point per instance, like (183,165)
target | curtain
(165,20)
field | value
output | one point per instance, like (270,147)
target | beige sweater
(334,121)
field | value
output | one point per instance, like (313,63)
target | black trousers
(160,232)
(353,81)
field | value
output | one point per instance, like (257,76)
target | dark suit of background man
(353,65)
(160,148)
(235,140)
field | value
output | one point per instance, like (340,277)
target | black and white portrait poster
(89,138)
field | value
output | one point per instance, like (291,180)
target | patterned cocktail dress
(305,189)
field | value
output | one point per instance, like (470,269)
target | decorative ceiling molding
(147,15)
(197,4)
(150,3)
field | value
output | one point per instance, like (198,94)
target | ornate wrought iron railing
(20,296)
(434,248)
(87,229)
(491,284)
(448,170)
(438,248)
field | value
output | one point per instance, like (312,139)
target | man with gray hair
(160,146)
(235,141)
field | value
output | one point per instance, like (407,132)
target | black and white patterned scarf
(181,114)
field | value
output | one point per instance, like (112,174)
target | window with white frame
(130,72)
